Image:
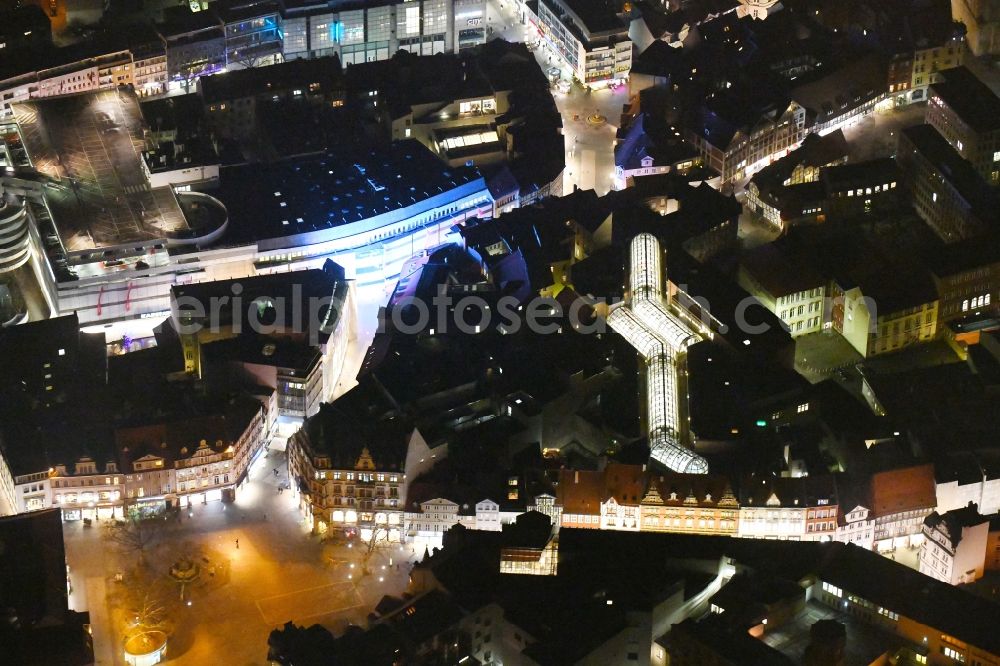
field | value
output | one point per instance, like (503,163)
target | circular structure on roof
(206,216)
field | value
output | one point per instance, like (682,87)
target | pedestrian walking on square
(237,544)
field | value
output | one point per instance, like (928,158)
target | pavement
(277,573)
(876,136)
(864,641)
(590,148)
(369,298)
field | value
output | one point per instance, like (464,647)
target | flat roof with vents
(322,196)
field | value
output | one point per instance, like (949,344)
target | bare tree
(136,534)
(146,603)
(376,543)
(147,606)
(247,60)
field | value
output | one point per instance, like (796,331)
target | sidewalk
(105,653)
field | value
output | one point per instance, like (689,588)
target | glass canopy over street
(659,337)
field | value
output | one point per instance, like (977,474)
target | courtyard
(260,568)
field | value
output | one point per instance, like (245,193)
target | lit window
(953,654)
(62,352)
(804,407)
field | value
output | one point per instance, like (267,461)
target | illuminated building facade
(660,337)
(401,199)
(379,29)
(954,545)
(589,36)
(691,504)
(350,474)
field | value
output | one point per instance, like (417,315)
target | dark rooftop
(363,418)
(953,522)
(597,15)
(33,594)
(844,88)
(957,171)
(280,352)
(317,193)
(734,645)
(778,272)
(41,427)
(298,73)
(284,290)
(971,99)
(884,170)
(815,151)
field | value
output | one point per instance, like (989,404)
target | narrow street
(590,146)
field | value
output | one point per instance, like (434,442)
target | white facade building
(589,37)
(427,526)
(954,545)
(983,491)
(619,516)
(174,473)
(857,527)
(772,521)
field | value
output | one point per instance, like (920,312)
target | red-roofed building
(579,496)
(629,497)
(624,488)
(901,500)
(690,503)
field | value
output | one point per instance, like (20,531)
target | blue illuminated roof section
(323,197)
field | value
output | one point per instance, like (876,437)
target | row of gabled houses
(356,484)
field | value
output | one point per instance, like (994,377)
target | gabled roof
(953,523)
(580,491)
(702,490)
(844,88)
(762,491)
(905,489)
(815,151)
(625,483)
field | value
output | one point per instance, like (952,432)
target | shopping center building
(109,246)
